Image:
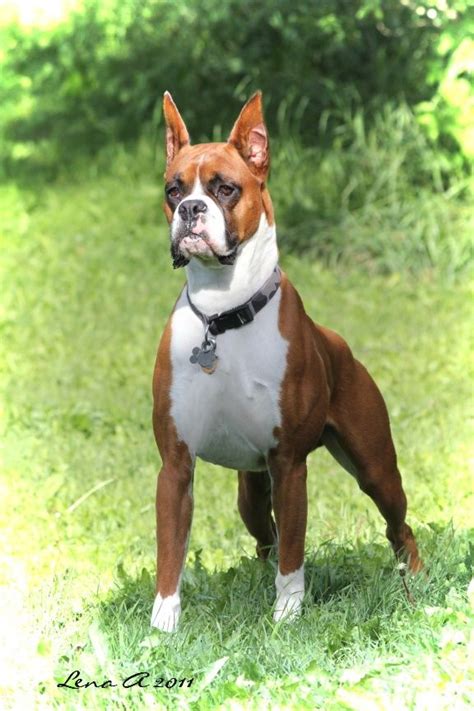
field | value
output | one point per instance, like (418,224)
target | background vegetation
(99,76)
(369,103)
(369,108)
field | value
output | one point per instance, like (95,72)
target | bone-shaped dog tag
(205,357)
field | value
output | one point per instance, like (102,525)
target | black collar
(240,315)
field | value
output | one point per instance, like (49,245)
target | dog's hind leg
(358,436)
(255,507)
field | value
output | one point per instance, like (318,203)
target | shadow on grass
(357,585)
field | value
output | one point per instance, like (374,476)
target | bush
(374,194)
(98,77)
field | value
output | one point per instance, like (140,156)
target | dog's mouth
(190,243)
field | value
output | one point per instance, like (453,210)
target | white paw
(166,612)
(290,593)
(288,607)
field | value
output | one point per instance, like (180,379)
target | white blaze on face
(208,236)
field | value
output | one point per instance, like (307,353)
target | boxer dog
(245,379)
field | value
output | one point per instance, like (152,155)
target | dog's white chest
(229,416)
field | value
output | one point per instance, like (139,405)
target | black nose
(190,209)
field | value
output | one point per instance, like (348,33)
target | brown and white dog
(260,397)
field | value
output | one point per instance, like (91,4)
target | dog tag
(205,357)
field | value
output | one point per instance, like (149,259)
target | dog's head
(215,193)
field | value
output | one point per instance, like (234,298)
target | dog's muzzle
(195,234)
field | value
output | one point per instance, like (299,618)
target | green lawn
(87,285)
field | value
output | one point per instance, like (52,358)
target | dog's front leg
(290,504)
(174,508)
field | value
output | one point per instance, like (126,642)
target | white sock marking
(166,612)
(290,593)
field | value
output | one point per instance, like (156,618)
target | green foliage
(99,76)
(376,194)
(450,113)
(370,112)
(87,286)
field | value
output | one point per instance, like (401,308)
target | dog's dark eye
(173,192)
(225,190)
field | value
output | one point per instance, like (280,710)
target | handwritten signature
(142,679)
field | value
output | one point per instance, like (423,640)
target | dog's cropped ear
(250,137)
(177,134)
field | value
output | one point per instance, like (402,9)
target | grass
(376,194)
(86,287)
